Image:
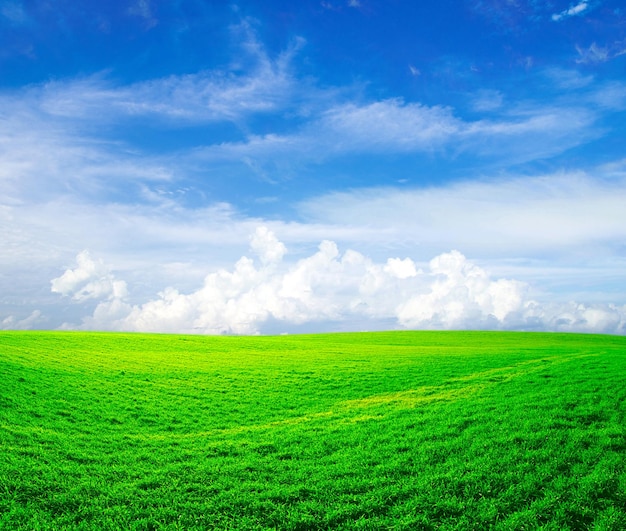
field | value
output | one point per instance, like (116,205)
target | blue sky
(270,167)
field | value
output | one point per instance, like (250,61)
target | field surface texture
(392,430)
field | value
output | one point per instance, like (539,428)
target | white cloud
(383,126)
(265,244)
(487,100)
(400,268)
(525,216)
(65,187)
(568,79)
(264,85)
(89,280)
(611,96)
(461,295)
(414,71)
(593,54)
(331,286)
(12,323)
(389,124)
(557,232)
(143,9)
(532,133)
(393,126)
(53,130)
(577,317)
(572,11)
(207,96)
(44,157)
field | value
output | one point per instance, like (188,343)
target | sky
(269,167)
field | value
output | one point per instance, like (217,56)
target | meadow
(388,430)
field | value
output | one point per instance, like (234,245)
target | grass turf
(398,430)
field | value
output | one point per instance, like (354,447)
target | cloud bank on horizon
(462,168)
(329,286)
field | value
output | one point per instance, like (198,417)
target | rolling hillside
(390,430)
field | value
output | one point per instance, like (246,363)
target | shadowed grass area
(393,430)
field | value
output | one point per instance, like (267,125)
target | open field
(398,430)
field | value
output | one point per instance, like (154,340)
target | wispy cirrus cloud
(524,216)
(143,9)
(389,124)
(33,144)
(73,131)
(594,53)
(487,100)
(82,117)
(568,78)
(13,11)
(515,134)
(76,127)
(572,11)
(264,85)
(202,97)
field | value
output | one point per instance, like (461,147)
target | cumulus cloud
(265,244)
(13,323)
(331,286)
(89,280)
(400,268)
(576,317)
(461,295)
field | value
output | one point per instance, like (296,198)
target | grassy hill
(398,430)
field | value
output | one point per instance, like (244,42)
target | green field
(393,430)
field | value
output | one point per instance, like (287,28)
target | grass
(400,430)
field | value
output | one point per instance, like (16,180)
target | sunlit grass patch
(402,430)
